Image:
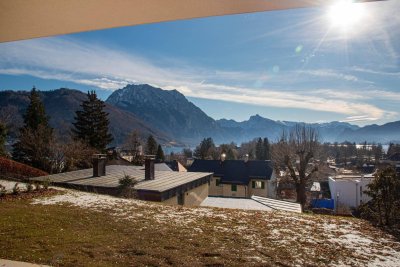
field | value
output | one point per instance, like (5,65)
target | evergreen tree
(160,154)
(266,149)
(35,138)
(206,149)
(259,149)
(151,146)
(3,135)
(91,123)
(385,193)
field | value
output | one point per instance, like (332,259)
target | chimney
(149,169)
(99,165)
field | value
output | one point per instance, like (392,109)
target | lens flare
(346,15)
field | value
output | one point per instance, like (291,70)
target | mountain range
(61,105)
(174,120)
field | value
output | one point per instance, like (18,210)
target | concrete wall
(215,190)
(242,191)
(195,196)
(350,191)
(258,191)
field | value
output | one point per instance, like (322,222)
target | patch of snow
(303,233)
(9,185)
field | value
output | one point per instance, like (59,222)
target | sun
(346,15)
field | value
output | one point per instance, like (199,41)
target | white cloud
(377,72)
(359,119)
(69,60)
(326,73)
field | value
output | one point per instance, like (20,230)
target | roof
(354,177)
(164,180)
(162,167)
(234,171)
(253,203)
(278,204)
(63,17)
(176,166)
(394,157)
(234,203)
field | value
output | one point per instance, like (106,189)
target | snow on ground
(9,185)
(308,236)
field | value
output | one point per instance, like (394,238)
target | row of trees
(39,147)
(346,152)
(257,149)
(134,146)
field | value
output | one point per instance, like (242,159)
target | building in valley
(238,178)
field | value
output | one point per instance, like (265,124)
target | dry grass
(81,229)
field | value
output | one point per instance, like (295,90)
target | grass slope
(83,229)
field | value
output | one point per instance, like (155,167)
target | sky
(311,64)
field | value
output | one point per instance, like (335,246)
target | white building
(348,190)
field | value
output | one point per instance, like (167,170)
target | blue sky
(296,65)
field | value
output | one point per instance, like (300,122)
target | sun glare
(346,15)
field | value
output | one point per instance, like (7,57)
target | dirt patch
(30,195)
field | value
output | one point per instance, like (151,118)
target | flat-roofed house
(238,178)
(348,190)
(177,188)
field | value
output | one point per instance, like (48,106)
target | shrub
(46,183)
(126,185)
(16,189)
(3,190)
(29,186)
(37,186)
(18,170)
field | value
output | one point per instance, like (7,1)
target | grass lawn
(83,229)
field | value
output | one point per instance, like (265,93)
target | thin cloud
(376,72)
(68,60)
(358,119)
(327,73)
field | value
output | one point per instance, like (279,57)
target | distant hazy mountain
(61,105)
(389,132)
(258,126)
(167,111)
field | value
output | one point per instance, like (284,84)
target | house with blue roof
(238,178)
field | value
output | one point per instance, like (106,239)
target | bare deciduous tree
(133,144)
(295,150)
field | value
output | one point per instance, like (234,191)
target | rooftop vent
(99,165)
(149,169)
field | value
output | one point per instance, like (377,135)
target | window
(233,188)
(217,182)
(258,184)
(361,191)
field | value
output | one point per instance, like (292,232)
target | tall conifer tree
(91,123)
(3,137)
(160,154)
(259,149)
(33,146)
(266,149)
(151,146)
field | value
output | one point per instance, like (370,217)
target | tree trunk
(301,193)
